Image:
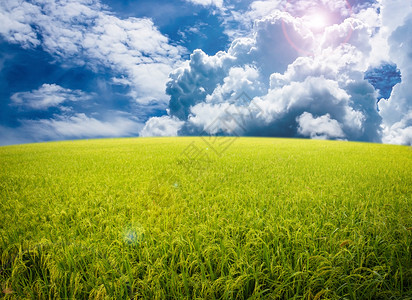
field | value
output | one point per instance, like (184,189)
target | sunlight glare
(316,21)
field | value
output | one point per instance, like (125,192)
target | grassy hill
(222,218)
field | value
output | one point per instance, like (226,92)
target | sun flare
(316,21)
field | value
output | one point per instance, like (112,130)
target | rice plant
(196,218)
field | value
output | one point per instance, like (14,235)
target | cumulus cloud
(84,33)
(322,127)
(397,110)
(316,95)
(266,52)
(48,95)
(71,126)
(299,84)
(399,132)
(161,126)
(332,12)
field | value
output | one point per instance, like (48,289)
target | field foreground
(167,218)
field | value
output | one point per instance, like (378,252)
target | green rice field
(205,218)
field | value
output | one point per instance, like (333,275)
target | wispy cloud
(216,3)
(71,126)
(85,33)
(48,95)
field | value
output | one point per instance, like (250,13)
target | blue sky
(310,68)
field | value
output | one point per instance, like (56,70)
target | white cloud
(245,79)
(13,25)
(322,127)
(48,95)
(245,19)
(289,93)
(383,18)
(267,52)
(394,13)
(161,126)
(80,126)
(352,31)
(397,110)
(400,132)
(259,9)
(302,10)
(83,33)
(217,3)
(72,126)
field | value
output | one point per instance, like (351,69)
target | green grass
(269,218)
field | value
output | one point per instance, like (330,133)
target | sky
(320,69)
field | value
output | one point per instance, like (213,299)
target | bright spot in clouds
(317,21)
